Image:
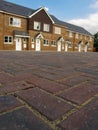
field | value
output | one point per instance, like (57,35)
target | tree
(96,41)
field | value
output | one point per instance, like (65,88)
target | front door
(66,47)
(59,46)
(38,46)
(79,48)
(85,48)
(18,44)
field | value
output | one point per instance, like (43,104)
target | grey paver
(8,103)
(22,119)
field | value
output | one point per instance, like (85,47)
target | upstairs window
(77,36)
(37,25)
(70,34)
(85,37)
(15,22)
(81,36)
(8,39)
(46,27)
(57,30)
(90,38)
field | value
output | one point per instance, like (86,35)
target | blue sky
(79,12)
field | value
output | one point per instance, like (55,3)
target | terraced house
(23,28)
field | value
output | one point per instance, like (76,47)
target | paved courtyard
(48,91)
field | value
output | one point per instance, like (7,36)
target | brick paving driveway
(48,91)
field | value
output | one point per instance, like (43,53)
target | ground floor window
(8,39)
(46,42)
(53,43)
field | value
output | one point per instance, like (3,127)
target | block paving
(48,90)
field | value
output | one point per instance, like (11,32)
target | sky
(79,12)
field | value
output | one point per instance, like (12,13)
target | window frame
(70,34)
(37,26)
(32,40)
(15,22)
(9,41)
(46,41)
(53,41)
(47,28)
(57,30)
(76,35)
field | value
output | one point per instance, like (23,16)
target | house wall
(40,17)
(27,25)
(1,31)
(7,30)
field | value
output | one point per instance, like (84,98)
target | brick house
(23,28)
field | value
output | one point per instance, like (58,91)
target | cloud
(94,5)
(90,23)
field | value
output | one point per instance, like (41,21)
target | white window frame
(57,30)
(46,42)
(16,22)
(8,40)
(32,40)
(81,36)
(90,38)
(37,25)
(53,41)
(70,34)
(76,35)
(85,37)
(46,27)
(24,40)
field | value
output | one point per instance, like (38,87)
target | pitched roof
(71,27)
(26,12)
(15,9)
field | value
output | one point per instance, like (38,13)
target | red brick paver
(80,94)
(85,119)
(50,86)
(48,90)
(46,104)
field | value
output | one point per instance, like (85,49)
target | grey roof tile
(14,8)
(71,26)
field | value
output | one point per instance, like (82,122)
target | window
(46,42)
(85,37)
(70,34)
(8,39)
(32,40)
(80,36)
(77,35)
(90,38)
(24,40)
(69,44)
(37,25)
(57,30)
(15,22)
(53,43)
(46,27)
